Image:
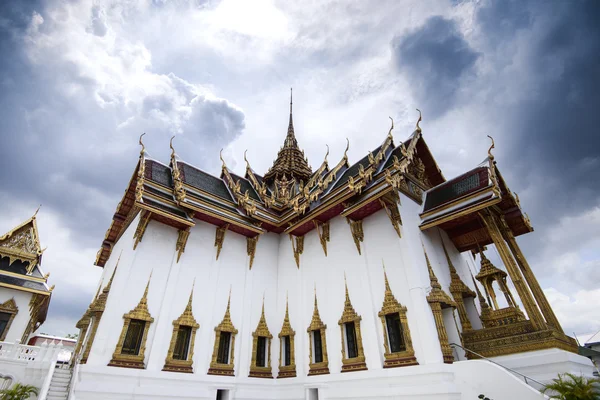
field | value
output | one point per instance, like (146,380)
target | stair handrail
(48,380)
(500,365)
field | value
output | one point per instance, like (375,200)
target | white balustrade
(46,352)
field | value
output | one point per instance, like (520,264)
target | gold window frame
(8,307)
(186,319)
(349,315)
(287,371)
(141,313)
(317,368)
(392,306)
(262,330)
(226,325)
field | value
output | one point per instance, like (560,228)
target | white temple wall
(20,321)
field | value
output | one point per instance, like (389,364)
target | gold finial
(347,147)
(490,155)
(263,306)
(189,304)
(390,132)
(315,295)
(419,120)
(245,159)
(223,161)
(229,299)
(326,154)
(142,144)
(36,211)
(290,100)
(47,275)
(171,146)
(52,288)
(145,296)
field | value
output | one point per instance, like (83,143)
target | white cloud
(577,312)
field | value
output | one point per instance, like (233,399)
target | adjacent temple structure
(235,286)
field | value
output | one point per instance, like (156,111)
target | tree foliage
(572,387)
(18,392)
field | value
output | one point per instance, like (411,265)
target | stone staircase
(59,385)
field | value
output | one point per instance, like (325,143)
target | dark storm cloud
(437,60)
(553,125)
(66,150)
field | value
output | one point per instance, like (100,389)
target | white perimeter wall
(274,275)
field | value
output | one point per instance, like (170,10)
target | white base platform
(463,380)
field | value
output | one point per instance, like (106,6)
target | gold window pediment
(317,327)
(185,320)
(350,316)
(226,325)
(287,371)
(9,307)
(262,331)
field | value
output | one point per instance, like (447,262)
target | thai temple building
(24,291)
(351,280)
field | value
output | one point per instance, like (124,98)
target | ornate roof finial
(262,314)
(419,120)
(189,305)
(228,301)
(347,147)
(172,148)
(142,144)
(291,101)
(223,161)
(247,163)
(392,127)
(326,154)
(36,211)
(490,155)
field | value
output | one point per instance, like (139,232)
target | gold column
(90,341)
(530,307)
(436,309)
(535,287)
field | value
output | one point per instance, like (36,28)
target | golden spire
(36,211)
(110,281)
(385,279)
(437,294)
(450,265)
(287,314)
(144,299)
(419,120)
(392,127)
(189,304)
(490,155)
(326,154)
(227,315)
(142,144)
(316,309)
(346,286)
(172,148)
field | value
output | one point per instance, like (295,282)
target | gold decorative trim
(226,325)
(141,228)
(95,312)
(297,247)
(323,232)
(178,189)
(393,214)
(251,248)
(392,306)
(220,238)
(357,232)
(317,327)
(35,305)
(139,183)
(182,239)
(9,307)
(22,243)
(287,371)
(186,319)
(437,300)
(140,312)
(24,289)
(459,291)
(262,330)
(349,315)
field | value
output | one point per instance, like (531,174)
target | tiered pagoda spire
(291,162)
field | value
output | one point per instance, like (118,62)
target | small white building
(274,286)
(24,300)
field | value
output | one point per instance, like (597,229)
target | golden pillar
(531,308)
(534,285)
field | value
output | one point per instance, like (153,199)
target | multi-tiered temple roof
(290,198)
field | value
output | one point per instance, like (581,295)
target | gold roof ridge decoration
(290,162)
(22,243)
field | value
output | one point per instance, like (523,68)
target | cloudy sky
(81,80)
